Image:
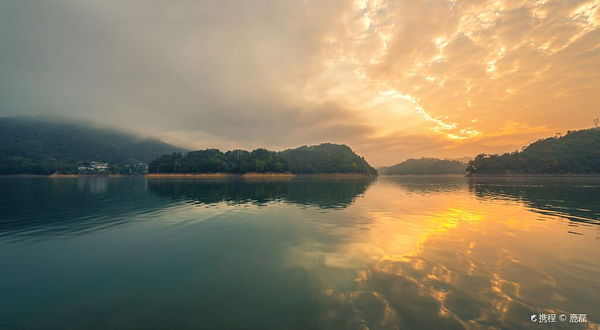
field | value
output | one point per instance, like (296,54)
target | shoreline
(292,175)
(424,175)
(217,175)
(515,175)
(197,175)
(256,175)
(59,176)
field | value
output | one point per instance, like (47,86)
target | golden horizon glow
(470,77)
(447,247)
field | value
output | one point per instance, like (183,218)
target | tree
(577,152)
(325,158)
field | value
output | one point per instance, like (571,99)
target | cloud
(280,74)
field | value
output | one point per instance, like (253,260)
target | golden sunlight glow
(467,70)
(449,248)
(392,79)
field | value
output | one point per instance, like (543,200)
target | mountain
(324,158)
(577,152)
(43,146)
(425,166)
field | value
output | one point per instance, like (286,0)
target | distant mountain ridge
(44,146)
(577,152)
(424,166)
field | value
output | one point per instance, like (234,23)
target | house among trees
(94,167)
(139,168)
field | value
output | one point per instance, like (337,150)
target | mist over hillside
(41,145)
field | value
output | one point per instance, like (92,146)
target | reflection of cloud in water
(456,262)
(450,283)
(399,257)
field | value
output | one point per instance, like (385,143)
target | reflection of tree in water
(324,193)
(39,207)
(573,198)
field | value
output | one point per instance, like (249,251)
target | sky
(391,79)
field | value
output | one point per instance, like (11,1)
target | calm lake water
(384,253)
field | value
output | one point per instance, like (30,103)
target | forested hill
(324,158)
(425,166)
(577,152)
(45,146)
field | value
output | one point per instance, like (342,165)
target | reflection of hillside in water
(474,265)
(576,199)
(43,207)
(479,269)
(414,253)
(39,207)
(325,193)
(573,198)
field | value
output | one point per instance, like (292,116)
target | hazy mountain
(46,145)
(464,160)
(424,166)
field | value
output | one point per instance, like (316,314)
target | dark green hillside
(215,161)
(324,158)
(40,146)
(577,152)
(425,166)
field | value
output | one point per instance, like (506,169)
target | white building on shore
(94,167)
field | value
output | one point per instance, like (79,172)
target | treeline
(324,158)
(215,161)
(424,166)
(33,145)
(577,152)
(49,165)
(43,166)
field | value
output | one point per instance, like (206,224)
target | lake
(301,253)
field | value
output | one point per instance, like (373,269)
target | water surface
(386,253)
